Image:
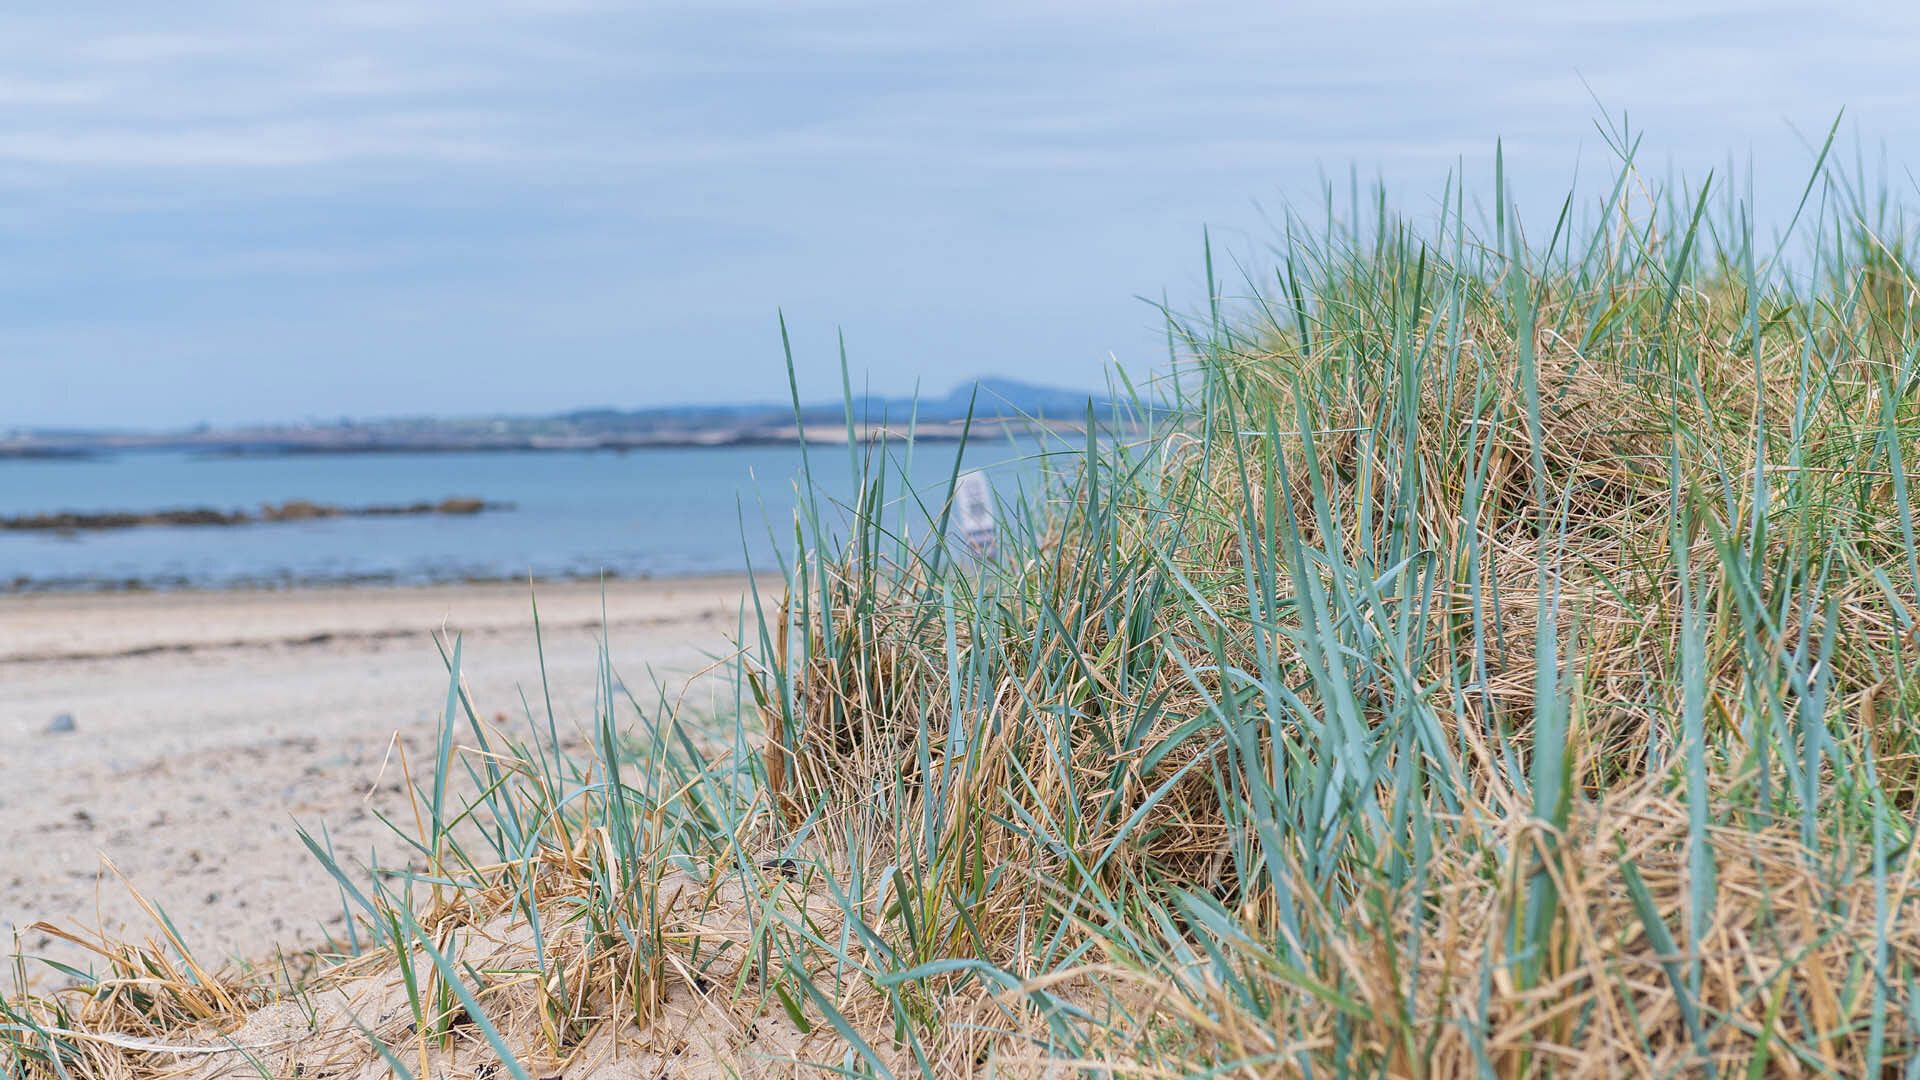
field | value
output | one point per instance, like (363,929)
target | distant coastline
(950,432)
(47,453)
(984,408)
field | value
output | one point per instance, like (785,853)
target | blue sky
(262,211)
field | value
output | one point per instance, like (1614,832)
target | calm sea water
(650,512)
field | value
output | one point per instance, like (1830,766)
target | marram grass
(1483,654)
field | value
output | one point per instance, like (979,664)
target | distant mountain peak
(1001,394)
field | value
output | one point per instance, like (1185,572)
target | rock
(291,510)
(62,724)
(297,510)
(75,522)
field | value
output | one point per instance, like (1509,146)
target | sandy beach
(204,725)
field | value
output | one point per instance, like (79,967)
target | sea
(569,515)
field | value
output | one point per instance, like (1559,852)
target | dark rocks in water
(296,510)
(291,510)
(62,724)
(69,521)
(302,510)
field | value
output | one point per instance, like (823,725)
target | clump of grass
(1479,654)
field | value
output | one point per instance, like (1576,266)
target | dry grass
(1490,660)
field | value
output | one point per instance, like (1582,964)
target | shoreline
(21,586)
(182,734)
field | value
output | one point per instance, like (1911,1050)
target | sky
(265,212)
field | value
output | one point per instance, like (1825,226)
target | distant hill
(1011,397)
(997,399)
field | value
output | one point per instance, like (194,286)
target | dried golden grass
(1130,803)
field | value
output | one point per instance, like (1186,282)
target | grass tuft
(1477,655)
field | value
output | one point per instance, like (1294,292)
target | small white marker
(973,512)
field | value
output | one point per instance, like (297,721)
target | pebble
(62,724)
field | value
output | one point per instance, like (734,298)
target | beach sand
(206,724)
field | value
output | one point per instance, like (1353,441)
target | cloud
(474,178)
(531,88)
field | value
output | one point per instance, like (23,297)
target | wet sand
(204,725)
